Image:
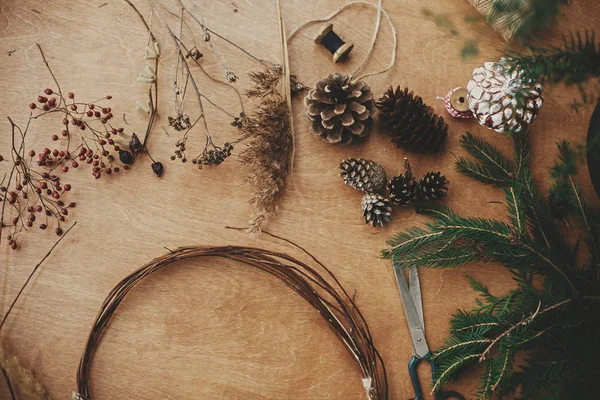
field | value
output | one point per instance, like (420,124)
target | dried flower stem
(33,273)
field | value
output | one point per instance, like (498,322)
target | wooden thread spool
(332,42)
(457,105)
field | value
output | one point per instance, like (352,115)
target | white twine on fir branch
(380,11)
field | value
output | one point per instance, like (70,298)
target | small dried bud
(157,168)
(43,226)
(33,106)
(52,102)
(42,99)
(135,145)
(231,77)
(71,95)
(48,91)
(125,157)
(58,231)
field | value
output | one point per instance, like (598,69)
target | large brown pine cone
(340,108)
(413,125)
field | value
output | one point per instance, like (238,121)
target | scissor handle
(414,377)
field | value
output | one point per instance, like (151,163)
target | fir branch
(480,172)
(487,154)
(574,63)
(516,211)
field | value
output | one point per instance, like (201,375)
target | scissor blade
(415,292)
(417,333)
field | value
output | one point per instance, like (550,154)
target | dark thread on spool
(332,42)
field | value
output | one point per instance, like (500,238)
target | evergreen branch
(574,63)
(515,210)
(441,353)
(412,238)
(443,378)
(475,326)
(480,172)
(521,323)
(504,368)
(522,152)
(487,154)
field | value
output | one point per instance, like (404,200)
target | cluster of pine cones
(370,177)
(340,109)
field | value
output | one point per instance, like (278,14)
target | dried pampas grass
(270,143)
(270,133)
(20,379)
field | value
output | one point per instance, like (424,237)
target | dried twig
(314,282)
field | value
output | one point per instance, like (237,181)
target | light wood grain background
(218,330)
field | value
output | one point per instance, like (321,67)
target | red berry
(58,231)
(48,91)
(43,226)
(65,169)
(38,208)
(32,106)
(64,132)
(55,153)
(108,171)
(42,99)
(52,102)
(82,127)
(43,185)
(74,107)
(29,224)
(90,113)
(113,131)
(120,130)
(13,245)
(46,107)
(71,95)
(31,217)
(55,137)
(108,97)
(74,164)
(15,220)
(116,169)
(65,121)
(60,203)
(91,106)
(67,187)
(97,114)
(72,204)
(64,211)
(31,153)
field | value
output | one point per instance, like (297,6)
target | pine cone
(376,209)
(493,98)
(361,174)
(413,125)
(340,108)
(433,185)
(403,188)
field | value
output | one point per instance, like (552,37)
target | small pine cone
(413,125)
(403,189)
(364,175)
(340,108)
(376,209)
(433,185)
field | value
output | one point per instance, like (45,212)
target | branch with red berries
(32,190)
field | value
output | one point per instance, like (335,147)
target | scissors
(413,309)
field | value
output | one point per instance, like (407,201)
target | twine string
(380,11)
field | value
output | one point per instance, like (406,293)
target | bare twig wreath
(327,296)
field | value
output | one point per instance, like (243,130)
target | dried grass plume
(22,380)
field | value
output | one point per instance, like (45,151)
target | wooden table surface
(217,330)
